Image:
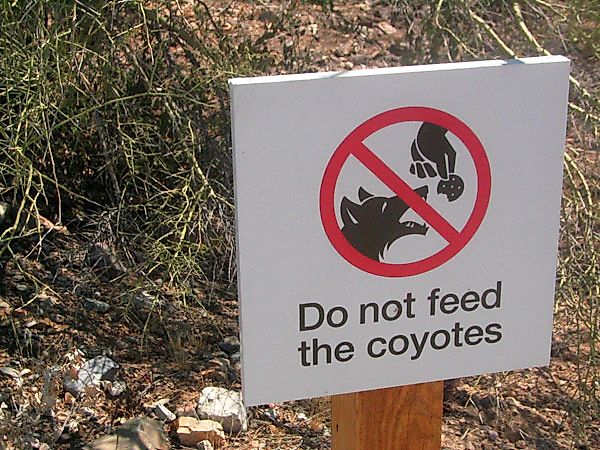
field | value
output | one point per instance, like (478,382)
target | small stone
(64,438)
(57,318)
(347,65)
(116,388)
(74,355)
(69,399)
(136,434)
(4,211)
(12,373)
(104,261)
(74,387)
(73,426)
(99,368)
(216,375)
(92,304)
(236,357)
(387,27)
(145,300)
(316,425)
(187,410)
(398,48)
(164,413)
(87,411)
(224,406)
(204,445)
(191,431)
(492,435)
(512,434)
(219,364)
(338,52)
(30,323)
(88,377)
(151,405)
(231,344)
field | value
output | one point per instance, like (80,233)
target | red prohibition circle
(353,145)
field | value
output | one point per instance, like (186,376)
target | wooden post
(402,418)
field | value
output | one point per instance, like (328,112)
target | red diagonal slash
(372,162)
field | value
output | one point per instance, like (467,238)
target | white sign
(396,226)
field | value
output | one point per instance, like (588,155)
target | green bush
(120,110)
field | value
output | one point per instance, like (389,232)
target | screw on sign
(368,228)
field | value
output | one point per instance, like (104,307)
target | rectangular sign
(396,226)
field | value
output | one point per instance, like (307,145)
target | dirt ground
(164,348)
(164,345)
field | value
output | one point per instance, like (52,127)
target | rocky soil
(81,356)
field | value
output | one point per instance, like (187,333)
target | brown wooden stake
(402,418)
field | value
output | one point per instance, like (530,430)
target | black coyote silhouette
(375,223)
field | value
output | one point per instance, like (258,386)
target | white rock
(204,445)
(164,413)
(98,368)
(223,406)
(90,375)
